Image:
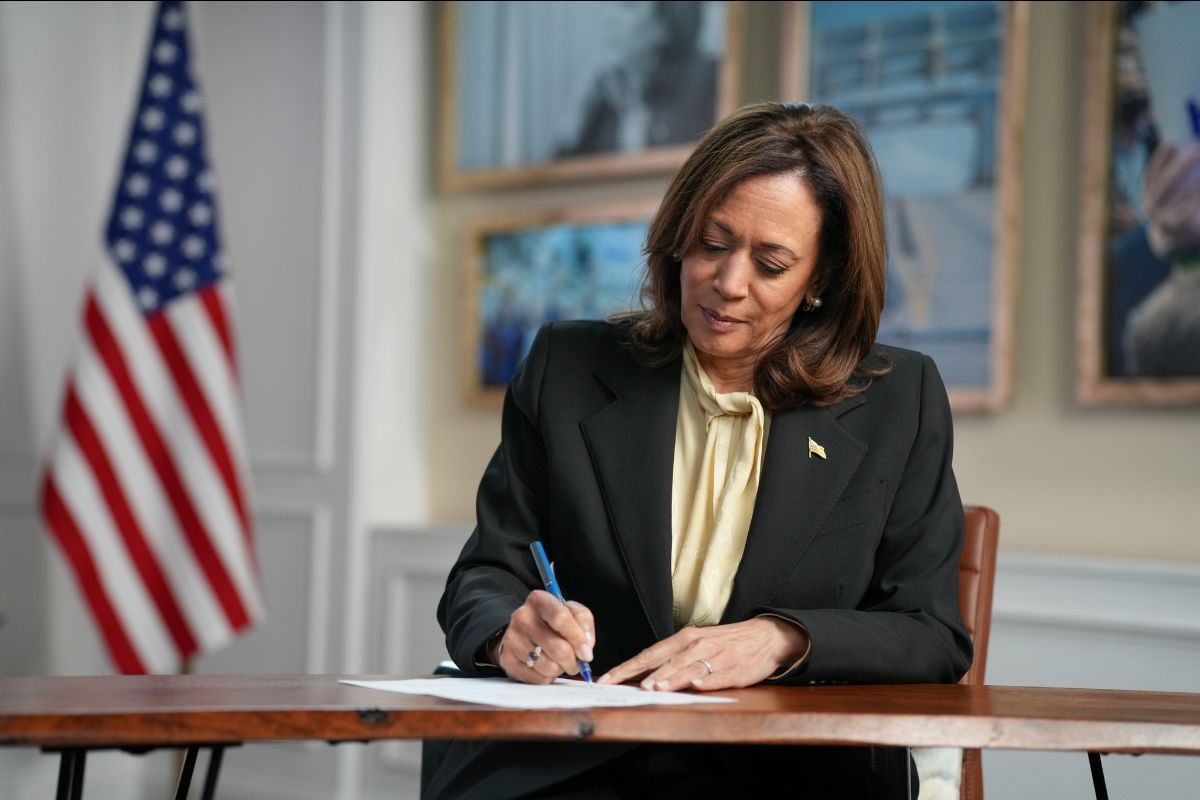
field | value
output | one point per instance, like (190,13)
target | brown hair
(820,360)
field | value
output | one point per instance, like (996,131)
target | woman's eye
(711,247)
(771,269)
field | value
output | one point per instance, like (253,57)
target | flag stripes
(164,465)
(70,540)
(202,415)
(215,310)
(150,506)
(111,380)
(144,560)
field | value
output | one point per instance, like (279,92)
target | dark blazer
(860,547)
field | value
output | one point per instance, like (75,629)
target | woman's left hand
(719,657)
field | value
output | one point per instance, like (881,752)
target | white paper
(562,693)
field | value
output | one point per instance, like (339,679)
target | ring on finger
(707,665)
(534,655)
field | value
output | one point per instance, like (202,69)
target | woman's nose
(733,275)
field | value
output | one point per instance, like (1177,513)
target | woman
(736,485)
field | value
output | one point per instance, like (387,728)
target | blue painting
(538,274)
(924,80)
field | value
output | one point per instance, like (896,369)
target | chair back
(976,579)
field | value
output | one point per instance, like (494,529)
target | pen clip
(545,570)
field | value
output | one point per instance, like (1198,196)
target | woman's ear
(816,288)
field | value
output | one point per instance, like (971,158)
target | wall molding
(402,558)
(332,202)
(1137,598)
(400,756)
(281,461)
(317,520)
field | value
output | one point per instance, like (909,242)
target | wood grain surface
(210,709)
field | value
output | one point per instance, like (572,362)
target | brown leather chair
(976,578)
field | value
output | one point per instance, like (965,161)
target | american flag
(146,489)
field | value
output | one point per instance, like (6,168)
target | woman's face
(742,283)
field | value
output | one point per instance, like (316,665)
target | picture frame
(526,269)
(1127,294)
(939,90)
(536,93)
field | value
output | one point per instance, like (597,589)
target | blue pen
(546,570)
(1194,116)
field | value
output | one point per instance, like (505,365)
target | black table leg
(70,774)
(1098,776)
(185,774)
(214,770)
(66,767)
(77,781)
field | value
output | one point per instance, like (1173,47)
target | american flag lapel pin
(815,449)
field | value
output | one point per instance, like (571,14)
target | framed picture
(556,91)
(1139,256)
(938,88)
(522,271)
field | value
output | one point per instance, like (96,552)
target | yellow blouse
(719,444)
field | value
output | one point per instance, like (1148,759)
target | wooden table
(77,714)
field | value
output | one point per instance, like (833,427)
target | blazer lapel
(796,493)
(631,442)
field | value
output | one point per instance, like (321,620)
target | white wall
(64,73)
(317,135)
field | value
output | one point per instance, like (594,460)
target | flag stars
(194,247)
(154,265)
(192,102)
(172,19)
(171,200)
(207,181)
(124,250)
(152,118)
(161,85)
(147,297)
(137,185)
(184,134)
(162,232)
(145,151)
(131,218)
(184,279)
(200,214)
(177,167)
(166,52)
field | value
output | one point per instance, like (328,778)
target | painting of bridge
(931,85)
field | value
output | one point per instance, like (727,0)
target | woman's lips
(716,321)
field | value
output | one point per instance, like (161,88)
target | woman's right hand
(545,639)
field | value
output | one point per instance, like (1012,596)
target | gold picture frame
(524,270)
(940,92)
(1118,272)
(541,93)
